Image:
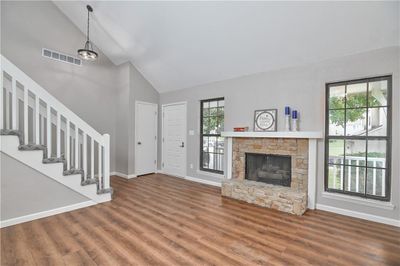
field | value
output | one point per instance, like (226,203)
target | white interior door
(174,139)
(145,138)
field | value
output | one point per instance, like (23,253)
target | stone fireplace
(271,169)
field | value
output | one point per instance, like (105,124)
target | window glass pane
(205,143)
(376,182)
(221,103)
(354,179)
(336,123)
(336,97)
(219,162)
(206,104)
(335,176)
(377,93)
(355,152)
(213,111)
(213,104)
(220,111)
(377,121)
(220,124)
(356,122)
(206,159)
(220,145)
(377,153)
(206,112)
(206,125)
(212,143)
(356,95)
(336,151)
(212,125)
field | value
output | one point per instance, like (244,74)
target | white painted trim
(38,215)
(229,159)
(156,140)
(203,181)
(357,200)
(360,215)
(185,136)
(312,173)
(200,172)
(275,134)
(123,175)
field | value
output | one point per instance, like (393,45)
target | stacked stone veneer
(291,199)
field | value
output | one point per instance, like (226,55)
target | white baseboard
(203,181)
(123,175)
(43,214)
(361,215)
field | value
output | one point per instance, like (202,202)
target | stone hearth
(291,199)
(266,195)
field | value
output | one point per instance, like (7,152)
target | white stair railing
(63,132)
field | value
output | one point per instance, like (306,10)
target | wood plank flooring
(163,220)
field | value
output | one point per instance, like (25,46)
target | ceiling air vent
(61,57)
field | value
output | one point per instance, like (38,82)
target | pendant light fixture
(87,53)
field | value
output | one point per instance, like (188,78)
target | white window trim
(357,200)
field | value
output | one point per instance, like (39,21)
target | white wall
(122,118)
(134,88)
(25,191)
(88,90)
(302,88)
(99,92)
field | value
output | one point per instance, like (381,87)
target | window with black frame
(358,137)
(211,142)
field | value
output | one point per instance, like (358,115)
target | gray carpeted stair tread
(89,181)
(12,132)
(54,160)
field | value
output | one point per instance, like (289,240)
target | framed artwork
(265,120)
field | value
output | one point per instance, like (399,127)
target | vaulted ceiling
(179,45)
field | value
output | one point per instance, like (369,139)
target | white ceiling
(179,45)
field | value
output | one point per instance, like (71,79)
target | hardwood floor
(163,220)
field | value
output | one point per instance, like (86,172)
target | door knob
(182,145)
(139,143)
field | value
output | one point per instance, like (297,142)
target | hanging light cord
(88,13)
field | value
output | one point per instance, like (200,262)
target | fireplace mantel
(312,137)
(275,134)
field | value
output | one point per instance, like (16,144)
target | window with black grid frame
(211,142)
(358,137)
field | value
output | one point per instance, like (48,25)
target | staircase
(39,131)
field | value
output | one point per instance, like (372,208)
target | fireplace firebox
(269,168)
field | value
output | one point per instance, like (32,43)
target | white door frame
(185,136)
(156,140)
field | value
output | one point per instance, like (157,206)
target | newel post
(106,161)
